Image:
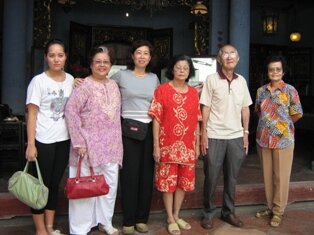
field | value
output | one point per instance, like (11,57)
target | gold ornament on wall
(42,23)
(270,24)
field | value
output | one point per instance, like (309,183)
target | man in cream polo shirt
(224,136)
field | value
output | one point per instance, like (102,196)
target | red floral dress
(178,115)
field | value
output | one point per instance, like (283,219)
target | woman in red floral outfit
(176,113)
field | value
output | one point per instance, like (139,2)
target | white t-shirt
(50,97)
(225,104)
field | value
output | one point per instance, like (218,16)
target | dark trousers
(52,159)
(227,154)
(136,178)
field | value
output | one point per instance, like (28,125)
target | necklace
(139,75)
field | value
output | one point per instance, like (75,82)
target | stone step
(246,194)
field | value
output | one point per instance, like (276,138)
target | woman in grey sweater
(137,86)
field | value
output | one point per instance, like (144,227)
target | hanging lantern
(199,8)
(295,37)
(270,24)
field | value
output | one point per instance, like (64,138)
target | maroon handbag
(85,186)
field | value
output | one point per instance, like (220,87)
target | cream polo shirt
(225,101)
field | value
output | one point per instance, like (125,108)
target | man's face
(229,57)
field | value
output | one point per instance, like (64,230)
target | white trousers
(87,213)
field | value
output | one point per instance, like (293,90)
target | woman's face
(56,57)
(275,72)
(181,70)
(101,65)
(141,57)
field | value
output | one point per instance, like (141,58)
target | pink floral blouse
(93,118)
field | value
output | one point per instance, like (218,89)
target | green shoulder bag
(29,189)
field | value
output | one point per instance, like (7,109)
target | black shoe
(207,223)
(233,220)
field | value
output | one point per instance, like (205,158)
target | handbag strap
(38,172)
(37,169)
(26,167)
(78,171)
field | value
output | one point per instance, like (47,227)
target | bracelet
(246,132)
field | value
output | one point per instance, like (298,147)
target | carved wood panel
(83,37)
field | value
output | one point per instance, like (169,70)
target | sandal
(56,232)
(275,220)
(174,229)
(110,230)
(141,227)
(264,213)
(183,224)
(128,229)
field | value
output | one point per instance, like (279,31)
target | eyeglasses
(185,69)
(100,63)
(232,54)
(275,70)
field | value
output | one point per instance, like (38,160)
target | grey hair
(104,49)
(101,49)
(220,52)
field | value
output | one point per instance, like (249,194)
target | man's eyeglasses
(232,54)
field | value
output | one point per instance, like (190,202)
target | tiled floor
(298,220)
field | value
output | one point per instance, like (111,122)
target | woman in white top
(47,134)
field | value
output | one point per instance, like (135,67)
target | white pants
(87,213)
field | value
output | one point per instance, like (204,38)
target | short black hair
(136,44)
(174,60)
(277,58)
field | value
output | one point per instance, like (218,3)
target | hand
(199,87)
(156,153)
(204,143)
(31,153)
(82,152)
(78,82)
(197,152)
(246,143)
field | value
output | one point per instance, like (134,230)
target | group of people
(87,120)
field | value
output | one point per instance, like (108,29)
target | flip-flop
(183,224)
(174,229)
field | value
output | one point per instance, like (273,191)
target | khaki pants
(276,166)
